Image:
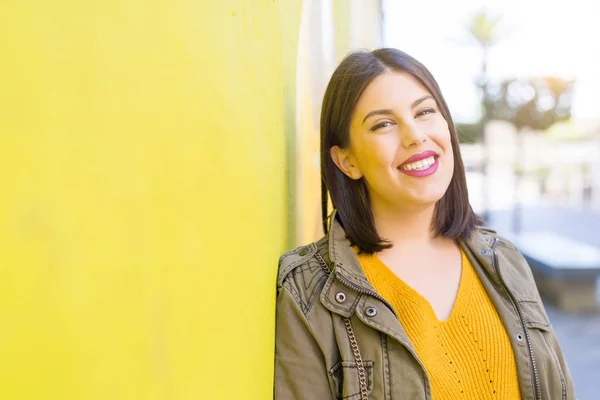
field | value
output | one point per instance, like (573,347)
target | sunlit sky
(542,38)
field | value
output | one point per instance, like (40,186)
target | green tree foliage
(536,103)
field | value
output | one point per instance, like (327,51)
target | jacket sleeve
(300,371)
(553,343)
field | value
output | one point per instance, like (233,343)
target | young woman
(406,297)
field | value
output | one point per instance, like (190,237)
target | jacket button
(303,251)
(340,297)
(371,311)
(520,337)
(484,252)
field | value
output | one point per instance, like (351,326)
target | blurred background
(156,158)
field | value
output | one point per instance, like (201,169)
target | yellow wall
(143,178)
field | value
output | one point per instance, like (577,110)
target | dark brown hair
(453,217)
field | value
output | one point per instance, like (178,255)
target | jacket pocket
(545,347)
(346,383)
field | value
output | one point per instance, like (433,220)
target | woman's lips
(419,156)
(419,173)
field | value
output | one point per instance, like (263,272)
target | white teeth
(419,165)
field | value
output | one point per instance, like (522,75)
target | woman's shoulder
(305,269)
(493,238)
(512,264)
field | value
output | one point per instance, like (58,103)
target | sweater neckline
(418,300)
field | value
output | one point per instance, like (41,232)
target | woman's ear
(344,161)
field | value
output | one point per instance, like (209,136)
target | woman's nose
(412,136)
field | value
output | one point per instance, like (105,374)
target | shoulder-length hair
(453,217)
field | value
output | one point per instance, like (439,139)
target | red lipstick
(419,173)
(419,156)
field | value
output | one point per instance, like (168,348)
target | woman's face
(400,144)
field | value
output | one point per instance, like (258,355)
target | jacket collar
(342,256)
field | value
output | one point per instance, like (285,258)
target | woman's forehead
(391,89)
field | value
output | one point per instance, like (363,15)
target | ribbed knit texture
(468,356)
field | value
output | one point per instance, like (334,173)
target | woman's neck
(405,229)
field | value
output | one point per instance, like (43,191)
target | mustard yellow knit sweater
(468,356)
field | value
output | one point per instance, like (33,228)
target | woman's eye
(425,111)
(381,125)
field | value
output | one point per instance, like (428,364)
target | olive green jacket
(334,330)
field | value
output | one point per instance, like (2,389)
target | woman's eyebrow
(420,100)
(378,112)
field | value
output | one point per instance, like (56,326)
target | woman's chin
(425,201)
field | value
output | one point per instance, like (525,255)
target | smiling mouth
(420,165)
